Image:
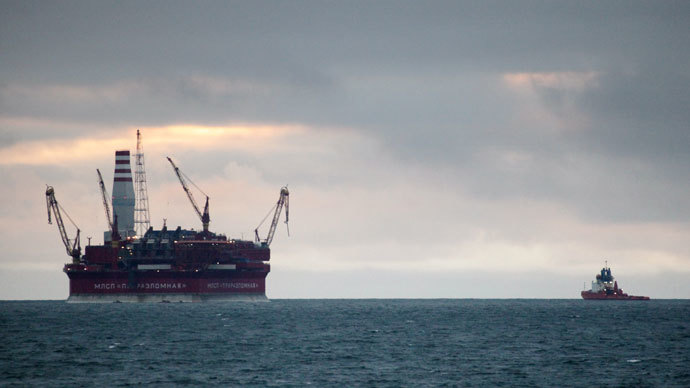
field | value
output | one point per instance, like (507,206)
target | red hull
(604,296)
(165,285)
(118,283)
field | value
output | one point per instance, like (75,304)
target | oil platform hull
(170,266)
(95,285)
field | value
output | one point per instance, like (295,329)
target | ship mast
(141,209)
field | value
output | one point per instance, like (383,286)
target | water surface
(335,343)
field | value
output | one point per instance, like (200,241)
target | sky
(459,149)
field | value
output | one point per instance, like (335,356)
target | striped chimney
(123,194)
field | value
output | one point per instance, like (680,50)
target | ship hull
(588,295)
(166,286)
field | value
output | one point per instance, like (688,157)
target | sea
(347,343)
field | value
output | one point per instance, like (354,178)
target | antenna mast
(141,209)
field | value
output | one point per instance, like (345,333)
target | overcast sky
(432,149)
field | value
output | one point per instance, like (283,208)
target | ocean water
(344,343)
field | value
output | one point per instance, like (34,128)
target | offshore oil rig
(136,263)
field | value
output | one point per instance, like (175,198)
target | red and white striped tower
(123,194)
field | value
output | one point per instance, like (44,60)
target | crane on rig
(205,218)
(283,200)
(112,221)
(73,248)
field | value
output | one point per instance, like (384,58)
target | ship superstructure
(605,287)
(165,265)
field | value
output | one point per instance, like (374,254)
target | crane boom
(205,218)
(283,200)
(104,193)
(112,222)
(73,248)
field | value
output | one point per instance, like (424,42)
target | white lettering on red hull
(106,286)
(233,285)
(141,286)
(161,286)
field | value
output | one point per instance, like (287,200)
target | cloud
(198,86)
(577,81)
(51,152)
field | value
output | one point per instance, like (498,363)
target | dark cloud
(81,40)
(643,112)
(422,78)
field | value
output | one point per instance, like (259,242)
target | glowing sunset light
(191,136)
(176,133)
(560,80)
